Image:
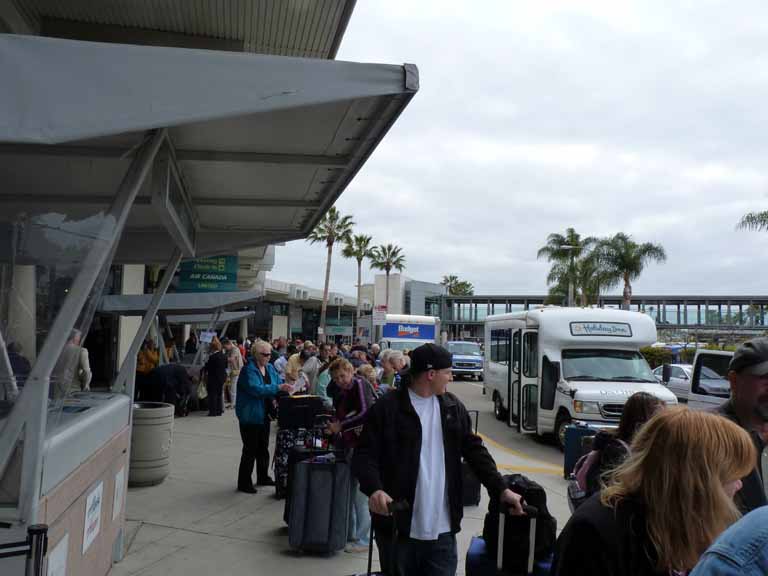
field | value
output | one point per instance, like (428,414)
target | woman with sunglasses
(257,384)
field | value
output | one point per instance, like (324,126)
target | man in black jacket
(411,450)
(748,407)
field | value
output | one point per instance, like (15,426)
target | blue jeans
(419,557)
(359,516)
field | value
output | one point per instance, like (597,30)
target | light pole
(571,288)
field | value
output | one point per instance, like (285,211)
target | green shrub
(656,356)
(687,355)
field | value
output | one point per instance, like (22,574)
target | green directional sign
(217,274)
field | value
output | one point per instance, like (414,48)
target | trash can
(151,438)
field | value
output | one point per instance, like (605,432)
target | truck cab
(549,367)
(467,359)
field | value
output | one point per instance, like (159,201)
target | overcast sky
(645,117)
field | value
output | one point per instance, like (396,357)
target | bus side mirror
(666,373)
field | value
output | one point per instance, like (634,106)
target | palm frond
(754,221)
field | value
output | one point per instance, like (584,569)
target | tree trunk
(359,304)
(627,293)
(386,292)
(324,308)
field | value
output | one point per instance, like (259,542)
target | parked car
(679,380)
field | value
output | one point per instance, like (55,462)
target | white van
(409,331)
(559,365)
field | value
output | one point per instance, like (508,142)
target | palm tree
(359,248)
(331,229)
(625,259)
(754,221)
(387,257)
(594,274)
(564,252)
(457,287)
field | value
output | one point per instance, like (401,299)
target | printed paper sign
(92,515)
(57,558)
(618,329)
(117,501)
(207,337)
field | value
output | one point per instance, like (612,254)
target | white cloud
(647,117)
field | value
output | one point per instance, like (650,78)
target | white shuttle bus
(560,365)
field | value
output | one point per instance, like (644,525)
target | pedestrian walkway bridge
(462,316)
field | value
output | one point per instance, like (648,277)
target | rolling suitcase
(480,561)
(314,446)
(574,433)
(394,508)
(517,540)
(319,505)
(470,484)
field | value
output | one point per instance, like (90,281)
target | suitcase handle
(532,512)
(394,507)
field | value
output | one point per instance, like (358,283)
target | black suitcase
(517,536)
(298,454)
(298,411)
(479,562)
(320,490)
(470,483)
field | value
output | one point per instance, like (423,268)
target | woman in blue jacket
(258,383)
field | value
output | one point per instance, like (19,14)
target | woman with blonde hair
(665,505)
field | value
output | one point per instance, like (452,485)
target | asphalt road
(471,393)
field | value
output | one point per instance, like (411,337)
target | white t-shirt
(430,516)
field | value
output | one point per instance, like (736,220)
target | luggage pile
(296,417)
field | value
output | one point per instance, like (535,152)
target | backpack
(516,529)
(587,468)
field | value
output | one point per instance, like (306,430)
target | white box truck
(408,331)
(549,367)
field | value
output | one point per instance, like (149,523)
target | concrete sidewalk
(195,523)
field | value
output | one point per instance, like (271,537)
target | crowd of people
(671,486)
(667,490)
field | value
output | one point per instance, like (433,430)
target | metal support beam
(122,378)
(32,407)
(230,156)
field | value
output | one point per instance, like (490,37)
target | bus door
(528,398)
(513,379)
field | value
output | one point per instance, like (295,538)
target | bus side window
(516,352)
(550,374)
(500,346)
(530,354)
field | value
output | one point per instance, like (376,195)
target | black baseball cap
(751,357)
(430,357)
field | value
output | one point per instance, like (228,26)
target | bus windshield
(606,366)
(464,348)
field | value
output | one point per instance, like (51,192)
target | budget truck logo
(404,331)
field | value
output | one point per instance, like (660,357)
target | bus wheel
(498,407)
(562,421)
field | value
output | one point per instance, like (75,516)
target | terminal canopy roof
(178,303)
(262,145)
(206,319)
